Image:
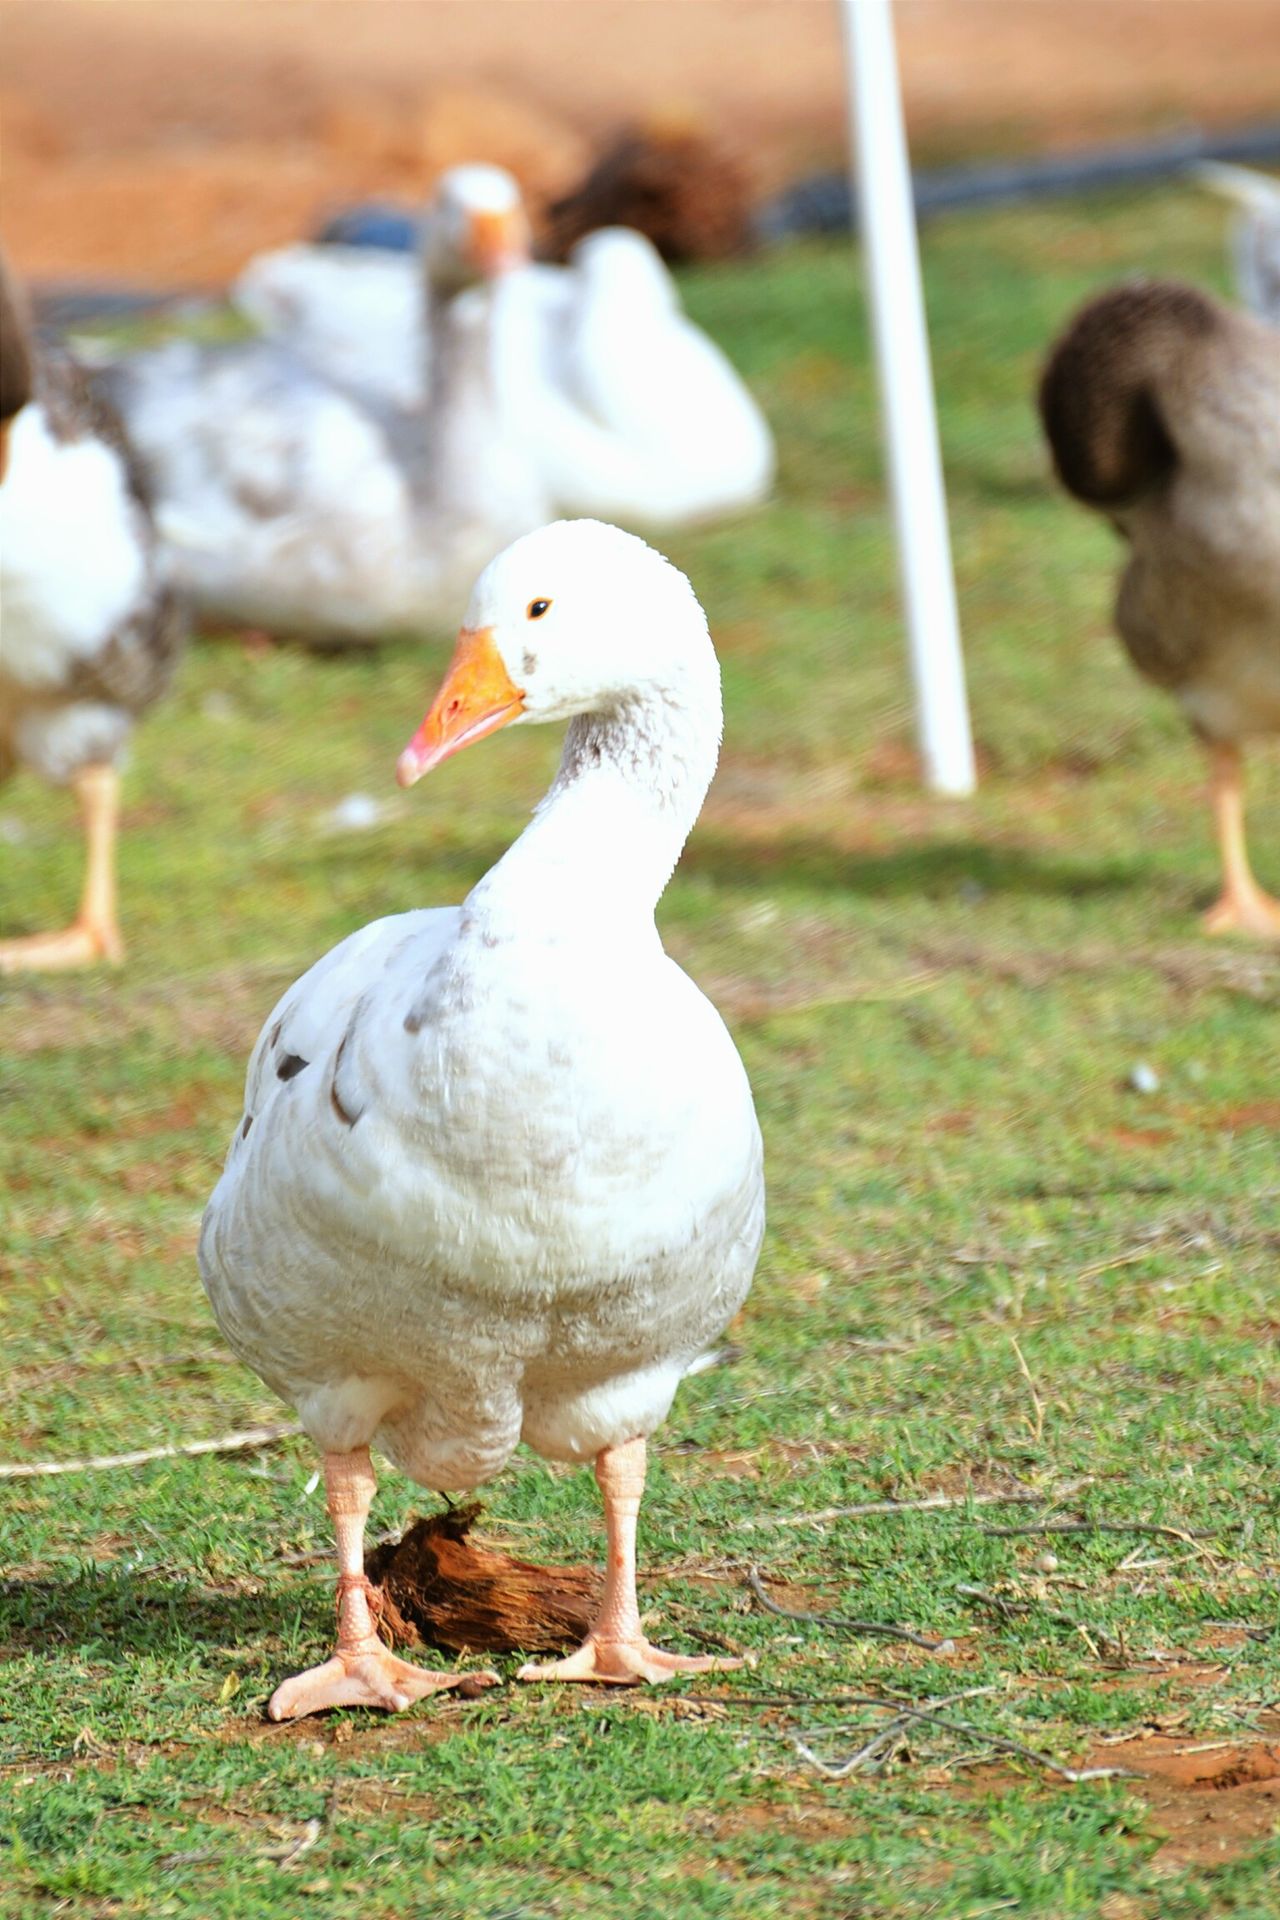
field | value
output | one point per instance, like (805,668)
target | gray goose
(1162,410)
(90,629)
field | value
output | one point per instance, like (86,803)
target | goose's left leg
(1242,906)
(93,935)
(616,1651)
(362,1672)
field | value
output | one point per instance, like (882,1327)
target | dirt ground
(163,141)
(1212,1799)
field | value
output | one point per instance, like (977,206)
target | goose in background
(90,628)
(361,317)
(1162,411)
(498,1175)
(1254,240)
(626,407)
(295,505)
(634,412)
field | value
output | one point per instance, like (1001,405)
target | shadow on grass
(926,867)
(117,1611)
(455,864)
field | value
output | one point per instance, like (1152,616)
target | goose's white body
(282,500)
(499,1174)
(547,1207)
(56,617)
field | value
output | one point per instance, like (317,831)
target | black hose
(823,203)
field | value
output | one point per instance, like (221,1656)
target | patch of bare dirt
(1212,1800)
(823,1819)
(166,143)
(1256,1113)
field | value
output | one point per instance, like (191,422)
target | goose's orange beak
(478,697)
(496,242)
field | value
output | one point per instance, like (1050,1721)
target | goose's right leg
(362,1671)
(617,1651)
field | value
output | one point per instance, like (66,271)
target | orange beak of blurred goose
(478,696)
(496,242)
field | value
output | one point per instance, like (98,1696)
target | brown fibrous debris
(439,1587)
(669,179)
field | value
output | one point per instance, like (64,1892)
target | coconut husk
(441,1588)
(671,181)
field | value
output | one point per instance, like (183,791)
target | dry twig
(837,1620)
(1010,1607)
(1000,1742)
(1036,1426)
(928,1503)
(885,1743)
(1116,1526)
(243,1442)
(292,1850)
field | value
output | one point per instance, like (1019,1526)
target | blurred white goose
(1255,233)
(499,1174)
(634,413)
(360,317)
(629,409)
(296,506)
(91,630)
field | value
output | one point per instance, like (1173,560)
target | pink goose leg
(362,1671)
(616,1651)
(1242,906)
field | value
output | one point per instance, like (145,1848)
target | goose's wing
(301,1216)
(633,412)
(305,1028)
(354,315)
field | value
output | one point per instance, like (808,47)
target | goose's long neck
(477,479)
(460,399)
(602,845)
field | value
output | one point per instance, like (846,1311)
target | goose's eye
(536,609)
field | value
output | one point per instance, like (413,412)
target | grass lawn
(992,1266)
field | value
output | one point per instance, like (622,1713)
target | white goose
(633,412)
(628,409)
(1254,241)
(91,630)
(361,317)
(499,1174)
(296,506)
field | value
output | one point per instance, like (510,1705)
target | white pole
(881,177)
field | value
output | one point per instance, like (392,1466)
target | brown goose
(89,630)
(1162,408)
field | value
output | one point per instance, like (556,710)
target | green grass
(990,1264)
